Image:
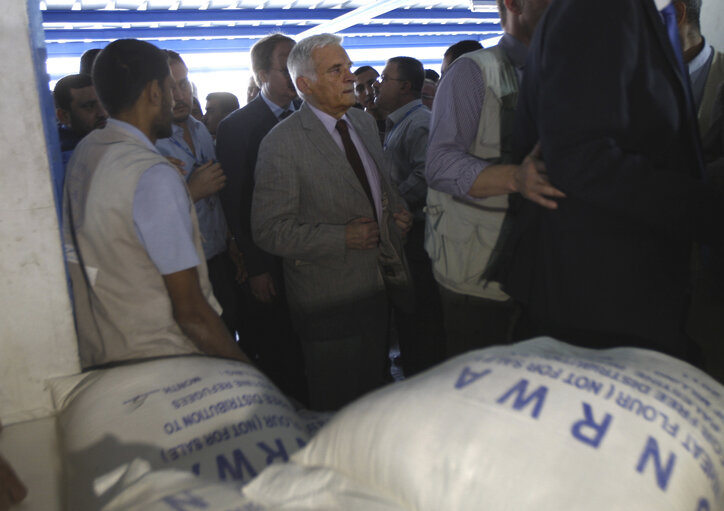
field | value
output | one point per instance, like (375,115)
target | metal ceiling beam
(153,34)
(358,16)
(68,17)
(75,49)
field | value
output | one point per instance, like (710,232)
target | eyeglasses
(384,78)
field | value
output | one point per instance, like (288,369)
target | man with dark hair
(79,112)
(132,240)
(87,59)
(457,49)
(431,74)
(191,144)
(364,93)
(398,91)
(218,106)
(267,326)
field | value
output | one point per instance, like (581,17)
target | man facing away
(329,211)
(617,129)
(470,173)
(267,332)
(132,239)
(398,91)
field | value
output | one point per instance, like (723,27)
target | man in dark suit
(329,210)
(606,95)
(267,331)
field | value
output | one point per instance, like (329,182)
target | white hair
(300,62)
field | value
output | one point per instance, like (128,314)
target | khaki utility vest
(459,234)
(123,310)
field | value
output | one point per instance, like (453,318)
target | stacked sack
(221,420)
(537,425)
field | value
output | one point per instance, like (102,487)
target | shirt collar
(192,124)
(329,121)
(131,130)
(276,109)
(400,113)
(661,4)
(701,59)
(516,51)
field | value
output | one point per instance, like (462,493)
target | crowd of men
(533,189)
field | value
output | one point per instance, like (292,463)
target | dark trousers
(472,322)
(679,345)
(345,350)
(421,334)
(221,275)
(268,337)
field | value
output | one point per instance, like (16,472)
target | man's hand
(403,219)
(532,182)
(206,180)
(361,233)
(262,287)
(12,490)
(177,163)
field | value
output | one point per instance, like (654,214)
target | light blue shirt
(161,216)
(456,112)
(276,109)
(699,71)
(371,170)
(406,148)
(212,223)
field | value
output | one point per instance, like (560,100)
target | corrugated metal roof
(72,26)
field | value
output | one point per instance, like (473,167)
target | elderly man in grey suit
(323,202)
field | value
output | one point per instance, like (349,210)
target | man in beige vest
(132,240)
(469,177)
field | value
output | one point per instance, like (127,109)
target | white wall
(37,338)
(712,22)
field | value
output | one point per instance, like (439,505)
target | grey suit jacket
(305,194)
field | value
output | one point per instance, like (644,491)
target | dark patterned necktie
(285,114)
(355,161)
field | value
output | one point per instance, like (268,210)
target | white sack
(220,419)
(538,425)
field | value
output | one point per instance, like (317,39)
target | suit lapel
(659,29)
(327,147)
(267,119)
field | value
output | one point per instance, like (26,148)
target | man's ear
(63,116)
(263,76)
(304,84)
(153,92)
(513,6)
